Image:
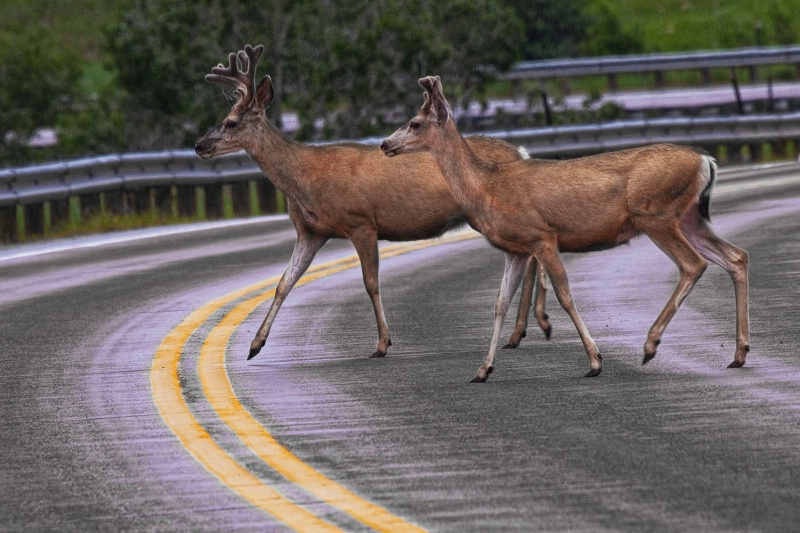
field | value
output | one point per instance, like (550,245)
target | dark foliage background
(128,75)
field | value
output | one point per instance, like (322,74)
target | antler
(241,73)
(435,101)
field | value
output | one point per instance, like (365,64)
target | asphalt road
(682,444)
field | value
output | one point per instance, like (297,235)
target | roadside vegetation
(128,75)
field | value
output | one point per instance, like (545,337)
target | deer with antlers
(580,205)
(348,191)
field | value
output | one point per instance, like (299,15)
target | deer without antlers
(345,190)
(581,205)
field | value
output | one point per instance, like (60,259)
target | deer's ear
(265,94)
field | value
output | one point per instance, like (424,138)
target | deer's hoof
(547,332)
(511,344)
(255,348)
(648,357)
(593,373)
(377,354)
(736,364)
(482,379)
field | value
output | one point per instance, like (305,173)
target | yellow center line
(217,387)
(168,398)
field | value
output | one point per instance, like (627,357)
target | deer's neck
(463,171)
(281,160)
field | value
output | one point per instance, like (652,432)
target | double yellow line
(168,397)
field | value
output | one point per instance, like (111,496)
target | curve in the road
(169,399)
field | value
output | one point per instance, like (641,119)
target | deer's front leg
(366,243)
(534,278)
(547,254)
(512,275)
(305,248)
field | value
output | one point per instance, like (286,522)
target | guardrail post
(280,201)
(47,218)
(75,210)
(200,202)
(20,222)
(736,92)
(791,150)
(151,200)
(227,201)
(766,153)
(255,204)
(722,153)
(548,116)
(173,202)
(745,153)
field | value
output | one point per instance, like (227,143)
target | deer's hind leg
(667,235)
(735,261)
(533,279)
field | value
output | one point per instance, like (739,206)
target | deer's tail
(708,171)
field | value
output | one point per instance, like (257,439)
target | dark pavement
(682,444)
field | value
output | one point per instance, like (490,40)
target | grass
(104,223)
(681,25)
(79,24)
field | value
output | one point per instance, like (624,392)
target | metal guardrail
(611,65)
(57,181)
(563,141)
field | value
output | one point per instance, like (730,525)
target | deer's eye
(231,124)
(414,125)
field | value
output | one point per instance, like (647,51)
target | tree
(353,69)
(605,34)
(160,50)
(38,80)
(356,69)
(553,28)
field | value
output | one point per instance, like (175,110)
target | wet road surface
(682,444)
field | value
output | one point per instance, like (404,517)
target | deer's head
(248,108)
(415,136)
